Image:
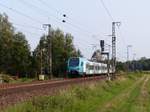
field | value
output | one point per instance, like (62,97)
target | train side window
(87,66)
(81,63)
(91,67)
(97,67)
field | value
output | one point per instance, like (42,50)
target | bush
(6,78)
(24,79)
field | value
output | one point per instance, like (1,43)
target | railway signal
(102,44)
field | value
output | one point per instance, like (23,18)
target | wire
(112,19)
(84,42)
(107,11)
(32,27)
(54,9)
(56,18)
(76,32)
(122,37)
(77,26)
(44,12)
(35,34)
(86,33)
(44,3)
(20,13)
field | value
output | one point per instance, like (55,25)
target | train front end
(74,68)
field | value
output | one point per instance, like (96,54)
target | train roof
(88,61)
(79,58)
(84,59)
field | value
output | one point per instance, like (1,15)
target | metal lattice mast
(114,45)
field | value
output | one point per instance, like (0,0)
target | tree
(6,42)
(121,66)
(14,49)
(20,55)
(62,50)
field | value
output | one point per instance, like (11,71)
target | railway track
(38,83)
(14,93)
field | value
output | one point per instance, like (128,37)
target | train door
(87,68)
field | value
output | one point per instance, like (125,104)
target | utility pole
(128,63)
(41,71)
(134,55)
(49,49)
(114,46)
(134,62)
(128,46)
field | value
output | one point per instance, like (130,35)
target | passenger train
(78,66)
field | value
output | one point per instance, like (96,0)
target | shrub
(6,78)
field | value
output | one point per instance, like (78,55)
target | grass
(22,80)
(13,80)
(107,96)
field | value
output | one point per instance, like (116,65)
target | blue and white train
(78,66)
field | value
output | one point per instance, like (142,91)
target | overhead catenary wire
(56,19)
(36,28)
(77,26)
(31,27)
(20,13)
(110,16)
(36,34)
(107,10)
(42,11)
(122,37)
(74,25)
(45,4)
(84,42)
(37,21)
(67,17)
(32,33)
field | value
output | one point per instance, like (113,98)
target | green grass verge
(83,98)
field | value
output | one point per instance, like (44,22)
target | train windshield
(74,62)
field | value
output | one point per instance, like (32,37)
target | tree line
(16,57)
(142,64)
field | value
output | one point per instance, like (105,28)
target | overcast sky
(87,21)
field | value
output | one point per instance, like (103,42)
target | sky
(87,20)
